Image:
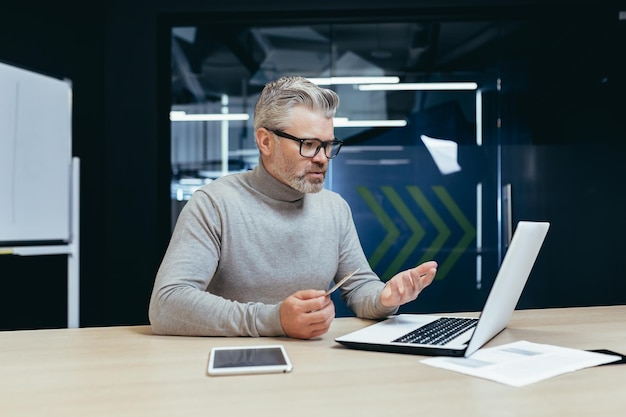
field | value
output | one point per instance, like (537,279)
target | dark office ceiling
(552,45)
(209,61)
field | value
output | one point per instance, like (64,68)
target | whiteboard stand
(71,250)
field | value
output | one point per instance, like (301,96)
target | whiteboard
(35,156)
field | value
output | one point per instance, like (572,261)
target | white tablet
(248,360)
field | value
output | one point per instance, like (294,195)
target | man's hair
(279,97)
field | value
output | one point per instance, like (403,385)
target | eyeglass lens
(310,147)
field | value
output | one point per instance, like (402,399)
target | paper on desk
(522,363)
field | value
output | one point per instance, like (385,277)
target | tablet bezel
(281,366)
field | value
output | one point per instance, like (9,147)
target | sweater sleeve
(180,303)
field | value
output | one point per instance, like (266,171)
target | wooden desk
(128,371)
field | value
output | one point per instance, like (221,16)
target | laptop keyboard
(438,332)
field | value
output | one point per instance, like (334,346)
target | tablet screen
(248,359)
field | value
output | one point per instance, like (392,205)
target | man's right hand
(307,314)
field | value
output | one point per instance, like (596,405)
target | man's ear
(264,141)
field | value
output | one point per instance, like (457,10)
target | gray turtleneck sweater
(245,242)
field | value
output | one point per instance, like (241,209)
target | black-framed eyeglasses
(311,147)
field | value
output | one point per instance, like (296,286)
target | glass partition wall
(419,117)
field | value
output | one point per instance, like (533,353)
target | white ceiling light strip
(181,116)
(354,80)
(420,86)
(345,122)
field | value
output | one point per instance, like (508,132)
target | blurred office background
(500,111)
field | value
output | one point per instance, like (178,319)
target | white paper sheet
(521,363)
(444,153)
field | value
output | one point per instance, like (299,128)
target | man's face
(285,162)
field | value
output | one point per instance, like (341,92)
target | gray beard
(303,186)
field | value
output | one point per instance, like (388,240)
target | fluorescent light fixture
(387,162)
(354,80)
(181,116)
(345,122)
(420,86)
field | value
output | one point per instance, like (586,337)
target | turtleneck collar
(265,183)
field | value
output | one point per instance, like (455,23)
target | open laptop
(416,333)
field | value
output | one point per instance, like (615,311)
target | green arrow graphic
(443,230)
(387,223)
(411,221)
(418,232)
(465,224)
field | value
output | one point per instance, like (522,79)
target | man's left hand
(405,286)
